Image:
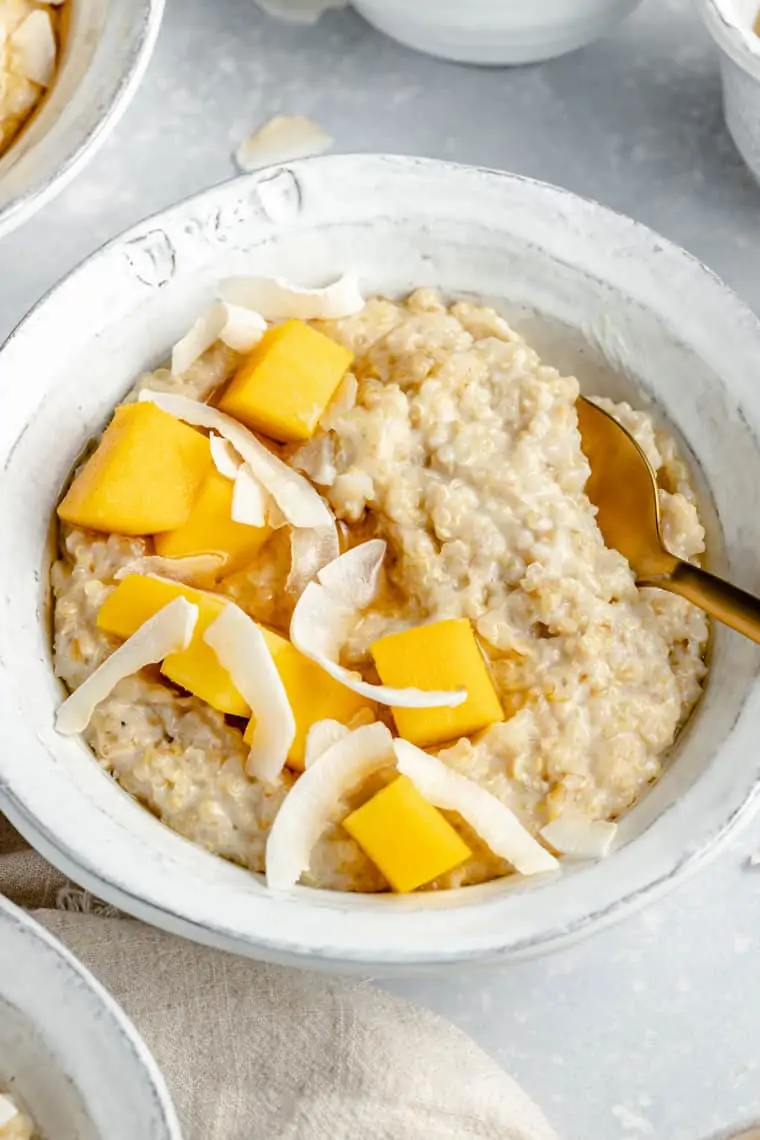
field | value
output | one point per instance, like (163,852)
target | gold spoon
(623,488)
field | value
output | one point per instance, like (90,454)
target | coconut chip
(168,631)
(275,299)
(226,459)
(300,504)
(249,498)
(242,650)
(497,826)
(202,333)
(355,576)
(310,552)
(316,459)
(189,569)
(283,139)
(33,48)
(327,613)
(315,800)
(239,328)
(580,837)
(321,736)
(243,328)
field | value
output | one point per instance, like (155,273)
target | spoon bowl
(623,488)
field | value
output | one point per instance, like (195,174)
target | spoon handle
(734,607)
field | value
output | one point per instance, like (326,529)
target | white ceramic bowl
(730,22)
(629,312)
(495,31)
(107,50)
(67,1050)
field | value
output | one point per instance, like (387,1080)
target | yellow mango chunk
(285,384)
(210,529)
(196,668)
(143,477)
(444,655)
(406,837)
(312,693)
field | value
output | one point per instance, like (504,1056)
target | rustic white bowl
(495,31)
(629,312)
(67,1050)
(730,23)
(107,50)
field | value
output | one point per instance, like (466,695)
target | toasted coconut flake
(310,551)
(317,460)
(198,339)
(327,612)
(277,299)
(283,139)
(189,569)
(242,650)
(354,577)
(275,517)
(8,1111)
(300,504)
(497,826)
(249,498)
(321,736)
(226,459)
(33,48)
(243,328)
(168,631)
(315,800)
(239,328)
(579,837)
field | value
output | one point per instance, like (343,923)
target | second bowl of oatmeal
(71,1063)
(67,71)
(373,492)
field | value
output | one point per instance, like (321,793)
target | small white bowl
(633,315)
(107,50)
(67,1051)
(730,24)
(495,31)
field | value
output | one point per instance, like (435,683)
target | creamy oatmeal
(449,439)
(30,34)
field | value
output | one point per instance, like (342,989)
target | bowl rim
(20,208)
(131,1039)
(730,39)
(285,941)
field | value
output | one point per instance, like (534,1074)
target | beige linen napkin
(255,1052)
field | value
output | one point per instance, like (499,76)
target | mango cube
(285,384)
(406,837)
(211,530)
(444,655)
(143,477)
(196,668)
(312,693)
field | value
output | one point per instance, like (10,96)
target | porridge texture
(453,442)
